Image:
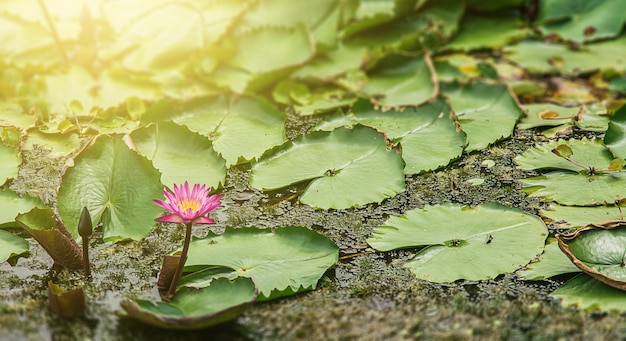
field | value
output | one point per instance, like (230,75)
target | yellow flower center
(192,204)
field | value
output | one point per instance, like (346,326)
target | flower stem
(181,263)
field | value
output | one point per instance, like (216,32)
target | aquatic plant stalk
(181,263)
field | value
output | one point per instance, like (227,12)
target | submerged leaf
(463,243)
(289,260)
(336,164)
(191,308)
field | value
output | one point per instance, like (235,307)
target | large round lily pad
(463,242)
(288,260)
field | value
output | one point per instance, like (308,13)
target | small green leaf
(11,245)
(335,163)
(12,205)
(289,260)
(117,186)
(562,150)
(191,308)
(463,243)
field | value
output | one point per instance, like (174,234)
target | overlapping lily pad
(585,153)
(487,113)
(583,178)
(581,21)
(191,308)
(576,216)
(462,242)
(586,292)
(114,183)
(11,245)
(345,167)
(401,81)
(280,262)
(552,262)
(179,154)
(428,135)
(224,120)
(615,137)
(599,250)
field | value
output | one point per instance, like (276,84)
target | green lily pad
(226,120)
(12,205)
(582,20)
(401,81)
(9,162)
(552,262)
(477,31)
(576,216)
(546,58)
(599,251)
(585,153)
(427,134)
(335,163)
(485,112)
(291,46)
(288,260)
(546,115)
(577,189)
(11,245)
(585,292)
(615,137)
(192,308)
(116,185)
(463,243)
(42,224)
(179,154)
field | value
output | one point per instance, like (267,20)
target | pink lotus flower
(189,206)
